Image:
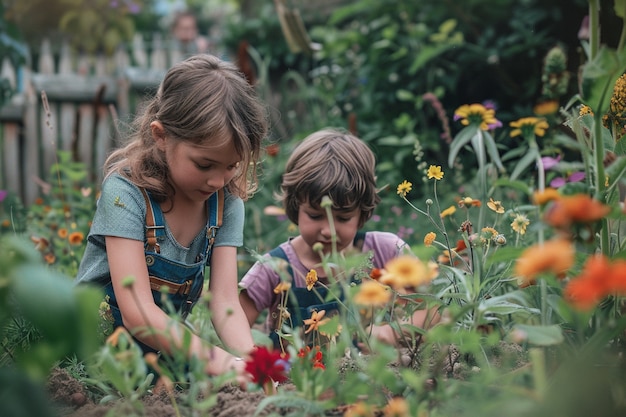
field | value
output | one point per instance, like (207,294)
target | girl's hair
(333,163)
(201,100)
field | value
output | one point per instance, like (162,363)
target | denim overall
(301,303)
(174,285)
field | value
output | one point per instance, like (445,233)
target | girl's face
(197,171)
(314,226)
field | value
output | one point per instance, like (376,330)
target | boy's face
(315,227)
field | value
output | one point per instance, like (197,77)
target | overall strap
(279,252)
(216,214)
(154,223)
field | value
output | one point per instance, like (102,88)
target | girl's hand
(222,362)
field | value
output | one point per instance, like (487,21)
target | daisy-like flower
(585,291)
(545,108)
(478,114)
(267,366)
(488,234)
(584,109)
(404,188)
(519,223)
(316,320)
(429,238)
(371,293)
(554,256)
(62,232)
(434,171)
(282,287)
(469,202)
(407,271)
(495,206)
(311,279)
(578,208)
(448,212)
(528,126)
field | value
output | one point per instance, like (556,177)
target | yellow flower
(282,287)
(404,188)
(527,126)
(519,223)
(317,319)
(407,271)
(311,279)
(448,212)
(371,293)
(477,114)
(487,234)
(429,238)
(495,206)
(434,172)
(585,110)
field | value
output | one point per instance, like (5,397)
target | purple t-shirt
(261,279)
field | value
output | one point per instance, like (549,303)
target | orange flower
(376,273)
(50,258)
(469,202)
(317,319)
(62,232)
(578,208)
(76,238)
(543,197)
(585,291)
(555,256)
(6,223)
(598,279)
(371,293)
(396,407)
(429,238)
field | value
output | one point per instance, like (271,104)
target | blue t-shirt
(121,212)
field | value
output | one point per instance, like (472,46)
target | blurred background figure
(186,36)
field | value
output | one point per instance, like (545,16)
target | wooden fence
(87,97)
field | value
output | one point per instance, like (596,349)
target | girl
(191,162)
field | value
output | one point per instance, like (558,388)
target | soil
(71,399)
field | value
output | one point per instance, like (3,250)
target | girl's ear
(158,134)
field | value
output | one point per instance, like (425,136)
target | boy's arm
(249,308)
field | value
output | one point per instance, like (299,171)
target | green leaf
(492,150)
(524,162)
(460,140)
(541,335)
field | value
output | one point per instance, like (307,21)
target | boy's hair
(333,163)
(201,100)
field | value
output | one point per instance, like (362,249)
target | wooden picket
(87,97)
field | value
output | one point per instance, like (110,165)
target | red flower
(266,366)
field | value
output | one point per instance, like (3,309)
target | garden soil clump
(70,398)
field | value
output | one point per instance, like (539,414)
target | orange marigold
(578,208)
(554,256)
(76,238)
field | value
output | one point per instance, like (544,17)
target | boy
(329,163)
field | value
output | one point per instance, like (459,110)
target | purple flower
(573,177)
(3,195)
(549,162)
